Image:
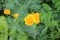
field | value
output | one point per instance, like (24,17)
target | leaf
(58,5)
(46,7)
(45,18)
(3,28)
(55,1)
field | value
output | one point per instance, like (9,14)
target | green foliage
(57,4)
(3,28)
(46,6)
(47,29)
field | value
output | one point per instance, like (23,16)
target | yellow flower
(29,19)
(36,16)
(7,12)
(16,15)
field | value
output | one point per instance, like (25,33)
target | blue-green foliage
(47,29)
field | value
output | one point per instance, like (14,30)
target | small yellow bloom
(7,12)
(29,19)
(16,15)
(37,17)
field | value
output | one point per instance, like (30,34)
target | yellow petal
(7,12)
(29,19)
(16,15)
(37,18)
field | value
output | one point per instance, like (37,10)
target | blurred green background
(15,29)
